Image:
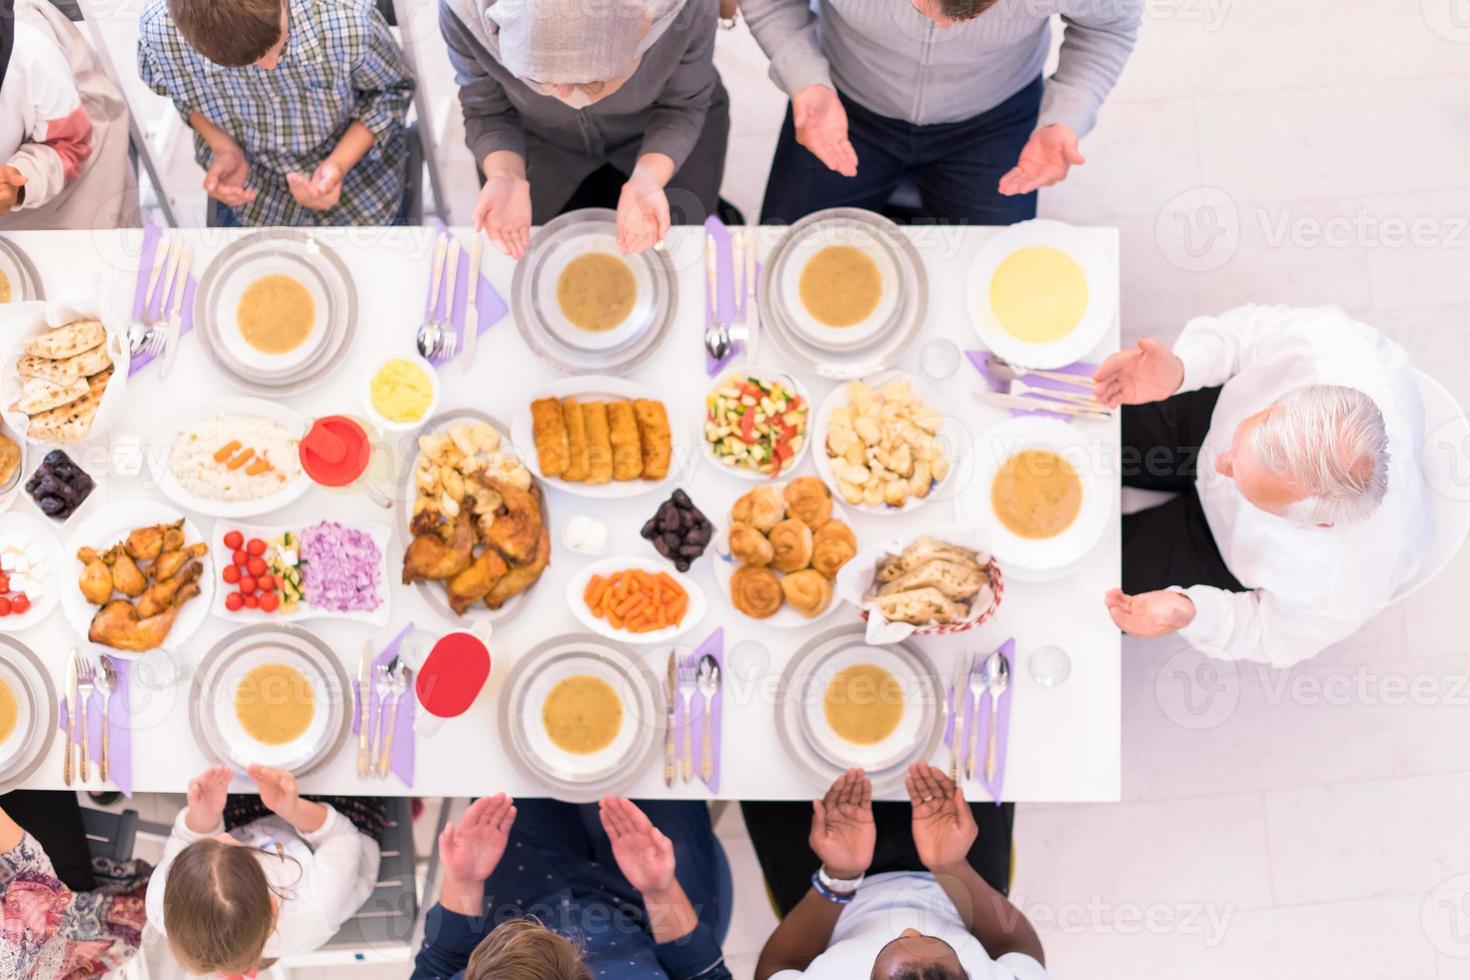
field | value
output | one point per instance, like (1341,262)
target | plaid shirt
(340,63)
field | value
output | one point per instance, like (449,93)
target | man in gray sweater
(947,93)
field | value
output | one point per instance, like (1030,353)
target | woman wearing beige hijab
(555,92)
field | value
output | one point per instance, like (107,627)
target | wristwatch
(840,886)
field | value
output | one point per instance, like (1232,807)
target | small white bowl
(607,566)
(376,417)
(765,374)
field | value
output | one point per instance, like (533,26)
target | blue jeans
(956,166)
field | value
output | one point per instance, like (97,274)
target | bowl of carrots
(636,600)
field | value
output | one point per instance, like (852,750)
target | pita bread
(66,370)
(97,383)
(39,395)
(68,341)
(69,423)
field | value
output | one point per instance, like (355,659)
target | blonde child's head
(219,909)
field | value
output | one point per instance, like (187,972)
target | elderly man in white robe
(1293,437)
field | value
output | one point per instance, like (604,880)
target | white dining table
(1064,740)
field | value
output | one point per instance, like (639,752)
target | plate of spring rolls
(602,437)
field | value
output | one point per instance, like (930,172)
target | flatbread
(69,423)
(97,383)
(39,395)
(65,370)
(68,341)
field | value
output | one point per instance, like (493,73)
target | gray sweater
(893,60)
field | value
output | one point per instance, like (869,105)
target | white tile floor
(1299,824)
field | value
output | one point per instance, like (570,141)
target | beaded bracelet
(828,893)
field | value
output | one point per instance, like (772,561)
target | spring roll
(550,432)
(599,446)
(653,431)
(576,470)
(627,449)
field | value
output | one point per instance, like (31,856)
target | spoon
(996,675)
(709,686)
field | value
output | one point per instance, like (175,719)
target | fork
(86,681)
(174,325)
(145,335)
(383,687)
(1022,390)
(106,682)
(972,744)
(687,682)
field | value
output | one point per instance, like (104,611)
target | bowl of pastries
(780,552)
(881,446)
(937,584)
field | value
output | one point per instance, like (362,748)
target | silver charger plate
(213,671)
(887,344)
(533,304)
(407,448)
(647,714)
(795,735)
(21,663)
(309,260)
(25,281)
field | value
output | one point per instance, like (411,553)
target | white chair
(1446,465)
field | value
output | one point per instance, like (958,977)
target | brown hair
(232,33)
(524,949)
(960,11)
(217,908)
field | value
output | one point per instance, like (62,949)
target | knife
(71,719)
(451,274)
(364,717)
(671,766)
(171,344)
(471,305)
(956,707)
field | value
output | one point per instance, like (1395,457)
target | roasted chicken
(118,625)
(160,595)
(522,577)
(472,584)
(440,549)
(140,583)
(96,580)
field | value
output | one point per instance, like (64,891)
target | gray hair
(1331,440)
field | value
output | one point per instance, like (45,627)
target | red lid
(335,451)
(453,674)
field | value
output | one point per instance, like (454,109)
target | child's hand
(504,211)
(322,191)
(471,850)
(11,181)
(207,793)
(225,179)
(277,790)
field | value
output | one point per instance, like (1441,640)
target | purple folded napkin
(732,308)
(977,358)
(714,645)
(490,307)
(157,311)
(120,735)
(966,726)
(403,738)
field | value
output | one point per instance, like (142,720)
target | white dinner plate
(573,765)
(793,384)
(45,598)
(578,586)
(803,248)
(274,411)
(1102,293)
(12,744)
(838,750)
(107,527)
(594,389)
(241,748)
(1091,456)
(548,275)
(251,268)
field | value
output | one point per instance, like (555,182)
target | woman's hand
(644,854)
(207,793)
(503,209)
(643,214)
(471,851)
(843,834)
(944,828)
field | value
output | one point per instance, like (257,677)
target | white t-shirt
(886,905)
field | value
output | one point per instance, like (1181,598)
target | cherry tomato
(256,567)
(266,582)
(231,574)
(252,602)
(234,539)
(20,602)
(234,602)
(4,606)
(4,582)
(247,584)
(255,546)
(269,602)
(240,557)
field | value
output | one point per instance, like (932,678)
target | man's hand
(644,854)
(471,851)
(821,127)
(503,210)
(1045,160)
(1135,377)
(225,179)
(321,191)
(643,215)
(843,834)
(11,181)
(944,828)
(1150,613)
(207,792)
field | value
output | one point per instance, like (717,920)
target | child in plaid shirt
(297,106)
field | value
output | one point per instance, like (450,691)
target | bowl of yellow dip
(401,392)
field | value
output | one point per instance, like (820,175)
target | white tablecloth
(1064,743)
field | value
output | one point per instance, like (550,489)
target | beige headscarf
(569,42)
